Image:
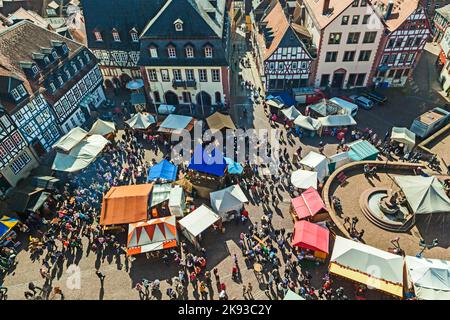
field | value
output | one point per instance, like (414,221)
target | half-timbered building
(283,54)
(407,31)
(112,29)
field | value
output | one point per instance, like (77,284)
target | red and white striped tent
(152,235)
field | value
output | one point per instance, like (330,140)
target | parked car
(362,102)
(346,98)
(375,96)
(430,122)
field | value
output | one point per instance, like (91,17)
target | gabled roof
(194,14)
(23,14)
(401,11)
(444,11)
(315,8)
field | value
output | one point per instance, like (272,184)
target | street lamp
(425,246)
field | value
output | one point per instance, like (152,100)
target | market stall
(141,121)
(103,128)
(126,204)
(152,235)
(291,295)
(362,150)
(318,163)
(166,109)
(309,205)
(405,137)
(227,201)
(68,141)
(312,238)
(177,201)
(218,122)
(6,225)
(304,179)
(138,101)
(164,170)
(367,265)
(195,223)
(233,167)
(291,113)
(429,278)
(338,160)
(175,123)
(274,105)
(159,200)
(212,163)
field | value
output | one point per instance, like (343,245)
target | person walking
(249,290)
(244,291)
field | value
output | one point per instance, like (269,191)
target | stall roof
(126,204)
(430,277)
(341,120)
(291,113)
(138,98)
(6,224)
(176,122)
(308,204)
(403,135)
(152,235)
(219,121)
(307,123)
(166,109)
(362,150)
(291,295)
(199,220)
(304,179)
(160,193)
(228,199)
(71,139)
(176,196)
(140,121)
(102,128)
(80,156)
(424,194)
(163,170)
(368,265)
(316,162)
(233,167)
(210,163)
(284,97)
(311,236)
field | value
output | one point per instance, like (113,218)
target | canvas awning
(275,103)
(316,162)
(367,265)
(218,121)
(160,193)
(304,179)
(163,170)
(424,194)
(233,167)
(291,295)
(311,236)
(70,139)
(430,278)
(405,136)
(362,150)
(291,113)
(337,121)
(338,160)
(166,109)
(6,224)
(126,204)
(140,121)
(137,98)
(80,156)
(210,163)
(199,220)
(308,204)
(175,122)
(102,128)
(152,235)
(228,199)
(307,123)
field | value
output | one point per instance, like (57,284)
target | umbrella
(233,167)
(6,224)
(135,84)
(304,179)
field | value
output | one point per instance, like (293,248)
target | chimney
(303,14)
(390,7)
(326,7)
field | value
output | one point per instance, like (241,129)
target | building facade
(444,77)
(441,21)
(184,55)
(112,29)
(347,35)
(407,31)
(282,51)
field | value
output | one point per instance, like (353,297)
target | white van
(351,108)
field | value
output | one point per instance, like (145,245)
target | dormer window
(15,94)
(178,25)
(98,36)
(60,80)
(189,52)
(66,50)
(46,60)
(21,90)
(80,61)
(134,36)
(208,52)
(86,55)
(52,87)
(74,66)
(67,72)
(54,55)
(116,36)
(35,69)
(171,52)
(153,52)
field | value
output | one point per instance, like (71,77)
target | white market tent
(338,160)
(430,278)
(177,201)
(405,136)
(307,123)
(424,194)
(291,113)
(367,265)
(196,222)
(275,103)
(337,121)
(176,122)
(316,162)
(228,199)
(304,179)
(70,139)
(140,121)
(291,295)
(102,128)
(80,156)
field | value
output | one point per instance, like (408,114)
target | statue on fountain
(390,203)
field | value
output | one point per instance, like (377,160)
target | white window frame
(153,52)
(171,52)
(202,75)
(134,37)
(208,52)
(116,36)
(189,52)
(21,90)
(215,75)
(98,36)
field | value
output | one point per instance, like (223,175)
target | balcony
(184,84)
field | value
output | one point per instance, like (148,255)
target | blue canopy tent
(233,167)
(210,163)
(284,97)
(6,224)
(163,170)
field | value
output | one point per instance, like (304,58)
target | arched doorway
(338,78)
(108,84)
(171,98)
(203,98)
(116,82)
(218,97)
